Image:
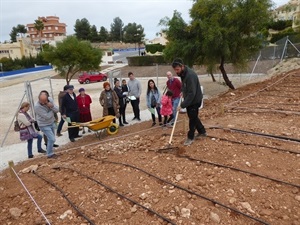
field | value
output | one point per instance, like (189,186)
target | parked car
(88,77)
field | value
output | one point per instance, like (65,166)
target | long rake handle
(175,121)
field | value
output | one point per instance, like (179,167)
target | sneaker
(134,118)
(153,124)
(138,119)
(42,151)
(72,139)
(55,145)
(169,125)
(53,156)
(200,135)
(59,134)
(160,123)
(83,132)
(121,125)
(30,156)
(78,136)
(125,122)
(188,142)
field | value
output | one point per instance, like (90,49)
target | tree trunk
(225,77)
(212,76)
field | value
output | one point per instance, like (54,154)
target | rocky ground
(219,179)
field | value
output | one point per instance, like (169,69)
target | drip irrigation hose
(256,133)
(120,195)
(263,110)
(256,145)
(184,189)
(238,170)
(65,196)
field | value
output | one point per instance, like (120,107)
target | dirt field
(247,171)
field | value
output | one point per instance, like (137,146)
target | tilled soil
(246,171)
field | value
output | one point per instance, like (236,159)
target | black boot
(120,123)
(124,121)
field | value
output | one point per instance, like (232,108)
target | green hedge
(10,64)
(147,60)
(153,48)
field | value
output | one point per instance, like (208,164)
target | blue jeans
(60,125)
(50,133)
(175,103)
(39,144)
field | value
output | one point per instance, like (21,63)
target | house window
(56,28)
(49,28)
(33,36)
(50,35)
(32,29)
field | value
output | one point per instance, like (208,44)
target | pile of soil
(219,179)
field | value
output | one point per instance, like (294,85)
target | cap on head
(66,87)
(81,89)
(177,62)
(70,87)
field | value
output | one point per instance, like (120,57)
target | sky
(98,12)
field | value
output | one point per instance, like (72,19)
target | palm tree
(39,26)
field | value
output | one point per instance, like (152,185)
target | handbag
(36,126)
(16,126)
(25,134)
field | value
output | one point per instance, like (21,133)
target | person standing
(166,108)
(44,110)
(62,121)
(26,122)
(122,101)
(192,94)
(109,101)
(84,102)
(174,85)
(70,109)
(135,90)
(125,93)
(153,98)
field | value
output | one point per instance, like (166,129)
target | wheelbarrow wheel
(113,129)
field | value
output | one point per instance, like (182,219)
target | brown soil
(269,107)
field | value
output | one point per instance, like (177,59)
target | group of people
(114,101)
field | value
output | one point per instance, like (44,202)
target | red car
(88,77)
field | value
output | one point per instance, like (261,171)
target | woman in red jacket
(84,101)
(166,108)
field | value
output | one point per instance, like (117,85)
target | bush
(146,60)
(153,48)
(280,35)
(280,24)
(24,63)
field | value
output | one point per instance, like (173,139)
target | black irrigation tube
(264,110)
(184,189)
(120,195)
(256,133)
(256,145)
(65,196)
(238,170)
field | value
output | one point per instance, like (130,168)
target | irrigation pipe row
(256,145)
(257,133)
(119,194)
(65,196)
(255,93)
(184,189)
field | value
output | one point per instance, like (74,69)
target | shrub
(153,48)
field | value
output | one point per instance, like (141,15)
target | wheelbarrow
(99,126)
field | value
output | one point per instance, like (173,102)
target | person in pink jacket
(167,108)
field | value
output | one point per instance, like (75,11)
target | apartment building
(52,28)
(289,11)
(22,47)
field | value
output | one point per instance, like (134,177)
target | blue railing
(29,70)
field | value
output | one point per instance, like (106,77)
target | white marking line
(31,196)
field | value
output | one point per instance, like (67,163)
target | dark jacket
(119,92)
(60,98)
(69,106)
(191,88)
